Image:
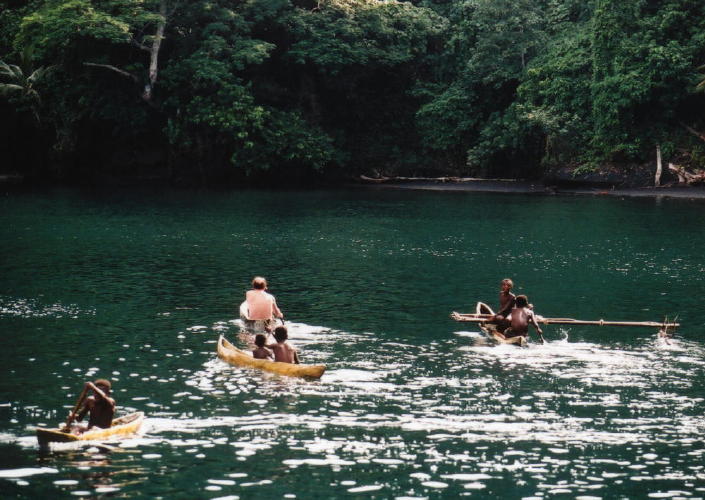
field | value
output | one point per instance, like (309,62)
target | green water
(136,287)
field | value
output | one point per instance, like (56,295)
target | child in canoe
(507,300)
(261,352)
(100,406)
(283,351)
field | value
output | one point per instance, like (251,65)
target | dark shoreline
(16,182)
(526,187)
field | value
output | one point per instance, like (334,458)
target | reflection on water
(412,405)
(451,416)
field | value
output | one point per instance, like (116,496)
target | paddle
(72,415)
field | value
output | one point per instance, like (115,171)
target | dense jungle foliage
(224,90)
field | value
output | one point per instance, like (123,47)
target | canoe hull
(123,426)
(234,356)
(491,332)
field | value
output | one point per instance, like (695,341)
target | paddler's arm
(100,394)
(538,328)
(296,358)
(275,310)
(96,390)
(86,408)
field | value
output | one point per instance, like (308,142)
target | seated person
(260,304)
(283,351)
(521,317)
(506,304)
(261,352)
(100,406)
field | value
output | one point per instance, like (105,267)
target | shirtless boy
(100,406)
(261,352)
(521,317)
(260,304)
(283,351)
(506,303)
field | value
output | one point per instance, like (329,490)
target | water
(136,287)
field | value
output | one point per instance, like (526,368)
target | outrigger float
(483,314)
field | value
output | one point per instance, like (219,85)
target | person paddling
(521,317)
(260,304)
(100,406)
(283,351)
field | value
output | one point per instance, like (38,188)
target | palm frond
(6,88)
(39,73)
(11,71)
(5,70)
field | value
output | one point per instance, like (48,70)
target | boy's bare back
(262,353)
(284,352)
(521,316)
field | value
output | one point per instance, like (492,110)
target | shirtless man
(506,304)
(521,317)
(100,406)
(283,351)
(260,304)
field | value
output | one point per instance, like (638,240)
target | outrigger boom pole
(482,318)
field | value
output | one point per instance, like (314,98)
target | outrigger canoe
(234,356)
(255,325)
(123,426)
(483,314)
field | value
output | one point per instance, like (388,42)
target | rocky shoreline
(582,187)
(692,192)
(632,181)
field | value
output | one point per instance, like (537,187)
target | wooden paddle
(72,415)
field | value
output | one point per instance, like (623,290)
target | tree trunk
(659,166)
(154,53)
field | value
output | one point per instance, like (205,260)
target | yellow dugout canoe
(123,426)
(234,356)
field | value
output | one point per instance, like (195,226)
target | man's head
(260,339)
(522,301)
(259,283)
(507,284)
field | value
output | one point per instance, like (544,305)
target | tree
(68,30)
(22,81)
(491,43)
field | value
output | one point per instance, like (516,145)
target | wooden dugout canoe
(234,356)
(123,426)
(491,332)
